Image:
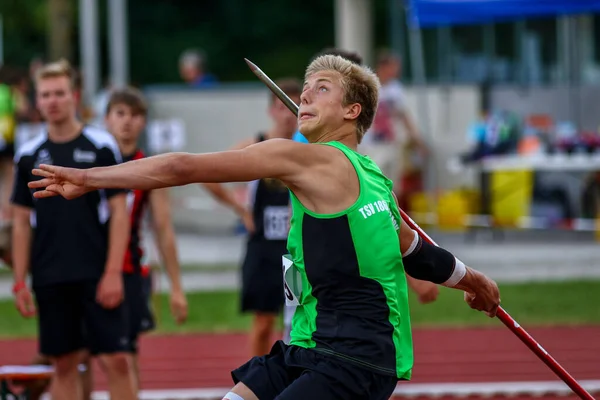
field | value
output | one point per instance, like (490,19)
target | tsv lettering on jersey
(374,208)
(377,207)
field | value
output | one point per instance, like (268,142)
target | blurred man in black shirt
(73,250)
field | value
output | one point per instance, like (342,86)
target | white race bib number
(276,222)
(292,282)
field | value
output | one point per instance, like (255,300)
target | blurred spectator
(497,134)
(75,263)
(25,110)
(266,218)
(399,158)
(7,135)
(192,68)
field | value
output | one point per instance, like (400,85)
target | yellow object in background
(511,193)
(448,211)
(419,206)
(452,209)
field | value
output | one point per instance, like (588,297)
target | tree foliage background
(279,35)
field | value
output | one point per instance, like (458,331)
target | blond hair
(360,85)
(56,69)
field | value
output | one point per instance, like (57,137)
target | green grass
(531,304)
(6,272)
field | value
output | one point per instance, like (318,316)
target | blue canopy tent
(430,13)
(437,13)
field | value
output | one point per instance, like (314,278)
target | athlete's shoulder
(101,139)
(30,147)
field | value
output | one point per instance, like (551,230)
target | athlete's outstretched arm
(226,196)
(275,158)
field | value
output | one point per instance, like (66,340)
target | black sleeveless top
(270,205)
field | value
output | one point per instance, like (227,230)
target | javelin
(502,315)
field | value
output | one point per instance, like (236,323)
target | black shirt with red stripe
(137,201)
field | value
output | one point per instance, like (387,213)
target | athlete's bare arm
(321,176)
(164,235)
(226,196)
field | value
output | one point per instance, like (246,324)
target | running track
(441,356)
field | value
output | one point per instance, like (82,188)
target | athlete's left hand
(426,291)
(179,306)
(110,289)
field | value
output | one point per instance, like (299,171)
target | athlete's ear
(352,111)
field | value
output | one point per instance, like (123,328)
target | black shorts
(138,292)
(70,319)
(294,373)
(262,277)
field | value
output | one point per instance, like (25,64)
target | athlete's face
(322,109)
(55,99)
(124,124)
(282,116)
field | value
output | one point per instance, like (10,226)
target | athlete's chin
(307,128)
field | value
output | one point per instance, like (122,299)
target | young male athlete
(426,291)
(73,250)
(351,334)
(125,119)
(266,217)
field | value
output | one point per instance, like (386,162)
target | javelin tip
(252,66)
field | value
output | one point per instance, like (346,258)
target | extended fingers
(49,168)
(42,183)
(42,172)
(48,192)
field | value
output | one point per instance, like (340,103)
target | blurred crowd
(394,141)
(18,106)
